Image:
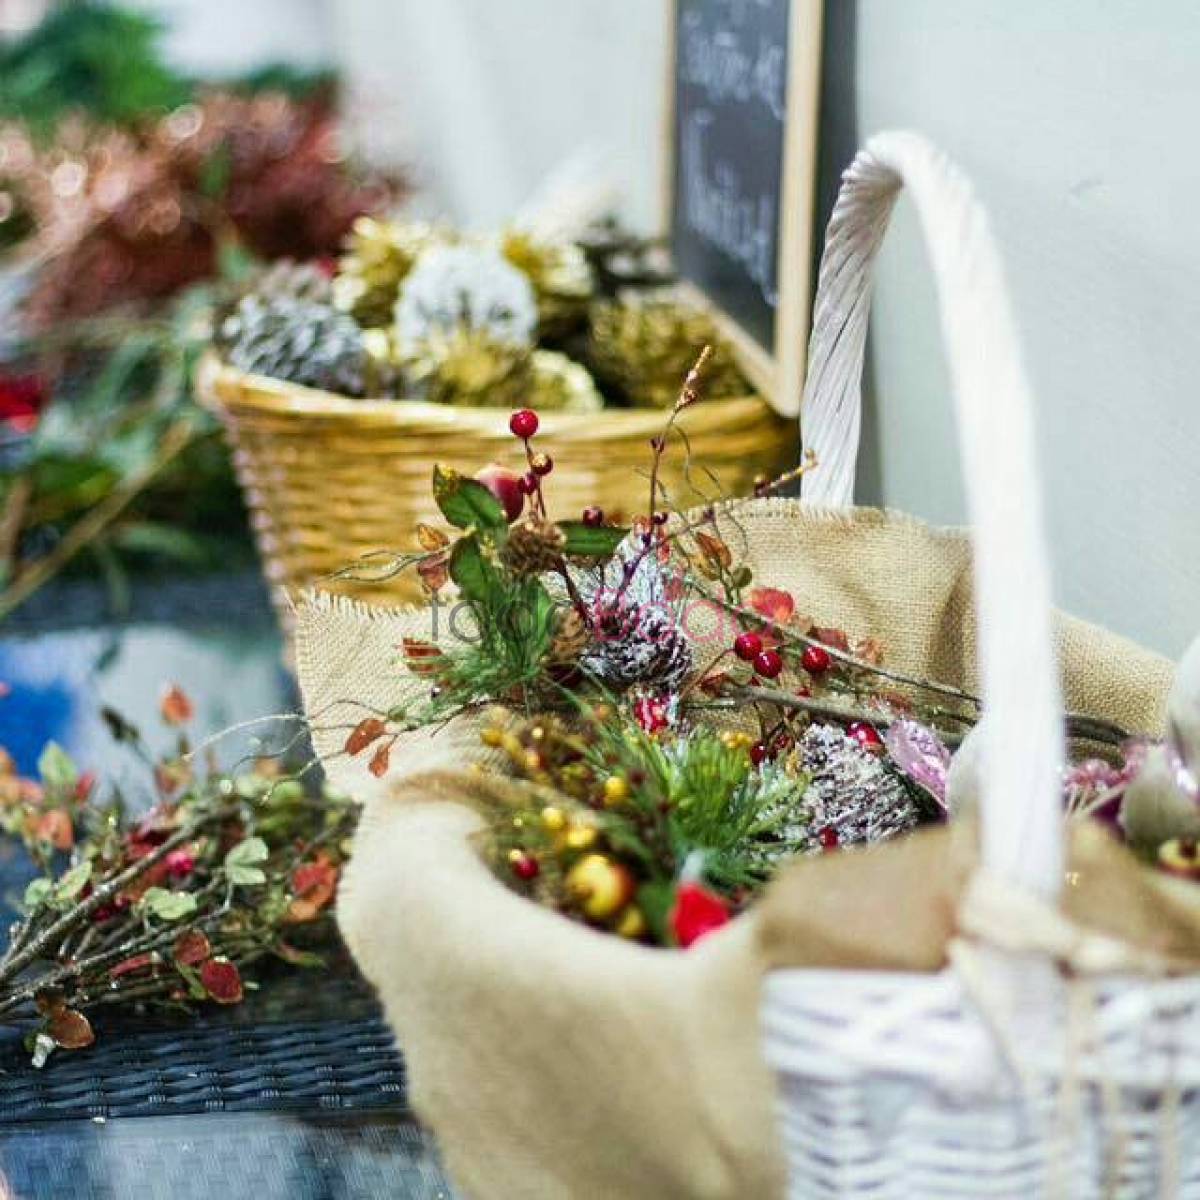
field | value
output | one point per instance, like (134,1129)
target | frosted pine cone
(301,341)
(466,287)
(633,643)
(851,791)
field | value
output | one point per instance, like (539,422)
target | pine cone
(469,368)
(645,348)
(379,254)
(560,274)
(559,384)
(571,636)
(532,547)
(291,280)
(851,790)
(298,340)
(634,643)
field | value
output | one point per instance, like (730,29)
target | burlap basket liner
(555,1061)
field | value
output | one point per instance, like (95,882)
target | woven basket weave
(329,479)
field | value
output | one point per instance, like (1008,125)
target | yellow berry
(533,760)
(600,886)
(511,745)
(616,790)
(553,819)
(581,837)
(631,924)
(491,736)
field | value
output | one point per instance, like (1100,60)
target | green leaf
(56,767)
(591,541)
(465,503)
(72,883)
(471,571)
(656,899)
(169,906)
(240,863)
(37,893)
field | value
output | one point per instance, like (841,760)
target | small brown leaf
(421,656)
(430,538)
(191,948)
(55,827)
(221,980)
(434,572)
(835,639)
(314,885)
(773,603)
(175,707)
(869,650)
(368,730)
(715,551)
(714,683)
(127,966)
(379,760)
(70,1029)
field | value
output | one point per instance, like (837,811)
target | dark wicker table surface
(297,1094)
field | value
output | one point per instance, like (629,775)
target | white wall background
(1077,121)
(486,97)
(1076,118)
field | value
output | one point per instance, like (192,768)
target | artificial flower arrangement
(130,240)
(658,731)
(170,907)
(512,319)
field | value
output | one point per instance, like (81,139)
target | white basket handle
(1022,755)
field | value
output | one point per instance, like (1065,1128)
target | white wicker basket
(1030,1067)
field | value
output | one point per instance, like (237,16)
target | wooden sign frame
(778,375)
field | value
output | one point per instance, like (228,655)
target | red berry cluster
(749,648)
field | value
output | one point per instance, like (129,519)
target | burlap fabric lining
(553,1061)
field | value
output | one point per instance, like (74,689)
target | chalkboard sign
(743,117)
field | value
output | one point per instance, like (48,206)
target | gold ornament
(469,368)
(560,274)
(616,791)
(645,345)
(553,819)
(631,924)
(580,836)
(559,384)
(599,886)
(379,254)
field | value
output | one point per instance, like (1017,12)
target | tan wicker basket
(328,479)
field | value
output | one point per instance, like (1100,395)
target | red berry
(593,516)
(768,663)
(524,423)
(651,714)
(181,863)
(526,867)
(541,464)
(815,660)
(759,754)
(697,913)
(828,837)
(782,743)
(747,646)
(505,485)
(865,734)
(528,483)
